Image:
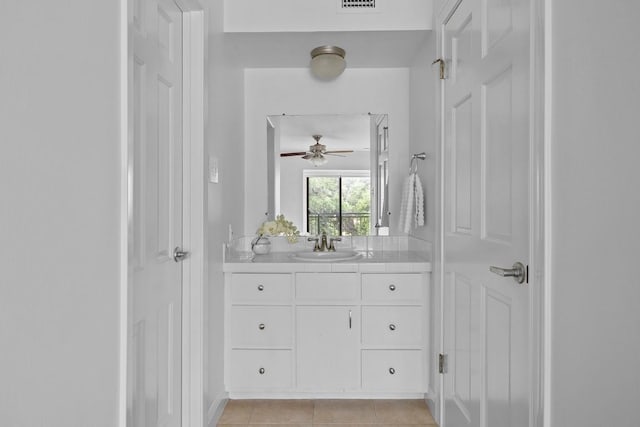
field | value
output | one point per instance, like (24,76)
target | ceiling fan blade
(334,155)
(298,153)
(308,156)
(338,151)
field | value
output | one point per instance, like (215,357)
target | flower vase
(261,245)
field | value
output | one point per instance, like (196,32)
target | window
(338,202)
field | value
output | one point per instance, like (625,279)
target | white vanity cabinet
(394,332)
(259,332)
(326,333)
(327,348)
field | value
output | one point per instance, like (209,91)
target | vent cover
(358,4)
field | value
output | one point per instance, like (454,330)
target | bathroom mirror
(330,172)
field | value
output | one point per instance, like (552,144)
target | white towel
(412,208)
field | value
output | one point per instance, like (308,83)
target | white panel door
(485,45)
(154,375)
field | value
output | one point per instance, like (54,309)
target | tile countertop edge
(397,262)
(316,267)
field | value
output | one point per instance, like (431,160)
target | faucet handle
(316,246)
(332,247)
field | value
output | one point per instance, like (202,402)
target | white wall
(59,216)
(326,15)
(224,139)
(292,183)
(295,91)
(423,136)
(595,146)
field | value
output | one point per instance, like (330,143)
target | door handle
(179,254)
(518,271)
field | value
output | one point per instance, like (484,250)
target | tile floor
(326,412)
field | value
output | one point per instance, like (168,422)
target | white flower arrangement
(279,227)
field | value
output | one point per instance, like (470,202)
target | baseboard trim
(431,399)
(216,409)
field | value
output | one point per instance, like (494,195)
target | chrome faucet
(321,243)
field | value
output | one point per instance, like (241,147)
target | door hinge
(442,363)
(441,63)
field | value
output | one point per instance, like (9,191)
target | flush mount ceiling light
(327,62)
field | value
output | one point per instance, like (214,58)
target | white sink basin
(326,256)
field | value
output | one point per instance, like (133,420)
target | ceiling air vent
(358,4)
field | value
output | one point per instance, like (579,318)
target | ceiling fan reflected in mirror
(316,153)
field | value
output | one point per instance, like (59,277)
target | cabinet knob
(392,327)
(260,288)
(261,326)
(392,287)
(261,371)
(392,371)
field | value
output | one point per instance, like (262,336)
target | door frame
(538,202)
(194,206)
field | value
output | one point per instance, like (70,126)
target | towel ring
(413,164)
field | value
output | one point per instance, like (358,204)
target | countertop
(369,262)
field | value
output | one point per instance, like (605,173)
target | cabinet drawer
(393,370)
(260,369)
(327,286)
(261,288)
(261,326)
(392,325)
(392,287)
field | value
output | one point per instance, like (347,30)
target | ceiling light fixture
(327,62)
(318,160)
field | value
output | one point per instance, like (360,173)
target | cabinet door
(260,288)
(261,327)
(392,326)
(260,369)
(393,371)
(328,348)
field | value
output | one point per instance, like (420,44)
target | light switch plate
(213,170)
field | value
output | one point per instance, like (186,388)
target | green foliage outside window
(349,216)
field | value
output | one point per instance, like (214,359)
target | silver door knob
(179,254)
(518,271)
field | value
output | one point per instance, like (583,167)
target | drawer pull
(392,327)
(392,371)
(392,288)
(261,371)
(260,287)
(261,326)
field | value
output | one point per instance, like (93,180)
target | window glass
(338,205)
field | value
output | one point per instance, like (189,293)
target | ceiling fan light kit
(327,62)
(318,160)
